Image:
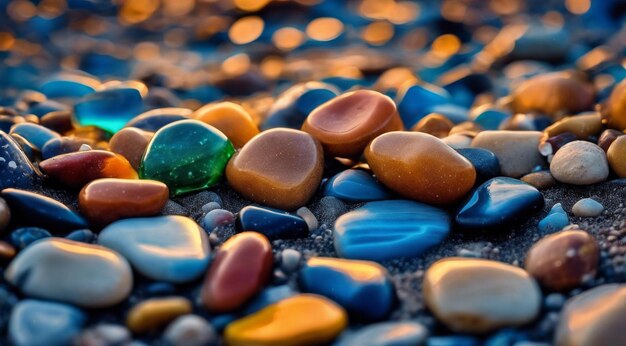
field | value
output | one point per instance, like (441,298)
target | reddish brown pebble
(616,107)
(230,118)
(7,251)
(105,200)
(607,137)
(240,269)
(434,124)
(345,124)
(131,143)
(541,180)
(420,166)
(5,214)
(564,260)
(281,168)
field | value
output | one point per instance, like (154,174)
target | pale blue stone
(387,334)
(36,135)
(554,221)
(587,207)
(40,323)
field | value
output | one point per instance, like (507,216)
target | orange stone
(345,124)
(434,124)
(616,107)
(617,156)
(280,168)
(420,167)
(106,200)
(230,118)
(131,143)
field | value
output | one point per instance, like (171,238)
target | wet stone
(230,118)
(17,170)
(35,134)
(81,235)
(580,163)
(616,107)
(353,185)
(131,143)
(190,330)
(155,313)
(418,101)
(582,126)
(109,109)
(587,207)
(308,217)
(387,334)
(555,220)
(484,161)
(273,223)
(290,260)
(516,151)
(22,237)
(63,145)
(154,120)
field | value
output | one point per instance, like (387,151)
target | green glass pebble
(187,155)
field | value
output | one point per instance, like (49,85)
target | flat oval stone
(478,296)
(32,209)
(230,118)
(517,151)
(280,168)
(361,287)
(347,123)
(153,120)
(355,185)
(17,170)
(583,126)
(421,167)
(63,145)
(580,163)
(616,154)
(79,168)
(484,161)
(241,267)
(106,200)
(385,230)
(40,323)
(154,313)
(166,248)
(587,207)
(35,134)
(131,143)
(387,334)
(92,276)
(109,109)
(267,327)
(274,224)
(498,201)
(187,155)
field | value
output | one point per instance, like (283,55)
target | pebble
(417,101)
(269,296)
(155,313)
(290,260)
(187,156)
(210,206)
(230,118)
(81,235)
(63,145)
(555,220)
(36,135)
(242,266)
(387,334)
(516,151)
(22,237)
(103,201)
(280,168)
(217,218)
(607,137)
(131,143)
(40,323)
(541,180)
(363,288)
(582,126)
(308,217)
(564,260)
(587,207)
(5,214)
(110,108)
(421,167)
(190,330)
(616,154)
(273,223)
(165,248)
(153,120)
(498,201)
(354,185)
(616,107)
(580,163)
(479,296)
(434,124)
(385,230)
(458,141)
(93,276)
(484,161)
(59,121)
(17,170)
(104,335)
(267,327)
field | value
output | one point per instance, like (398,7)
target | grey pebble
(587,207)
(190,330)
(308,217)
(290,260)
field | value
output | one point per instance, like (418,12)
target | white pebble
(190,330)
(587,207)
(290,260)
(84,147)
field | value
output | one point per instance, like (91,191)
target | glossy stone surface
(106,200)
(5,214)
(267,327)
(32,209)
(63,145)
(35,134)
(385,230)
(478,296)
(361,287)
(516,151)
(187,155)
(583,126)
(484,161)
(555,220)
(347,123)
(421,167)
(280,168)
(72,272)
(153,120)
(155,313)
(434,124)
(354,185)
(273,223)
(387,334)
(580,163)
(17,170)
(230,118)
(616,154)
(417,101)
(242,266)
(40,323)
(616,107)
(498,201)
(79,168)
(109,109)
(167,248)
(131,143)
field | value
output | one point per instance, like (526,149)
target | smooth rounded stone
(385,230)
(498,201)
(616,155)
(242,266)
(79,168)
(387,334)
(363,288)
(290,260)
(33,209)
(564,260)
(217,218)
(210,206)
(39,323)
(17,170)
(267,327)
(155,313)
(580,163)
(106,200)
(421,167)
(273,223)
(187,156)
(516,150)
(153,120)
(60,121)
(308,217)
(479,296)
(22,237)
(86,275)
(131,143)
(484,161)
(103,335)
(109,109)
(81,235)
(190,330)
(5,214)
(541,180)
(458,141)
(69,85)
(355,185)
(165,248)
(417,101)
(616,107)
(63,145)
(587,207)
(467,128)
(35,134)
(347,123)
(29,149)
(555,221)
(583,125)
(280,168)
(606,139)
(230,118)
(434,124)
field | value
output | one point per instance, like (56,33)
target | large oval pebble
(580,163)
(517,151)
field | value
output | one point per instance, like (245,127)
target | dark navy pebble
(273,223)
(485,162)
(24,236)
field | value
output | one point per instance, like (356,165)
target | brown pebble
(468,128)
(607,137)
(617,156)
(583,125)
(7,251)
(541,180)
(59,121)
(230,118)
(5,214)
(131,143)
(434,124)
(153,313)
(616,107)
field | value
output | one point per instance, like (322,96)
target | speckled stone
(17,170)
(517,151)
(580,163)
(154,313)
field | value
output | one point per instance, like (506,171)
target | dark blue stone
(16,168)
(62,145)
(157,118)
(499,201)
(6,122)
(274,223)
(355,185)
(81,235)
(42,108)
(35,134)
(490,119)
(485,162)
(27,147)
(68,86)
(418,101)
(22,237)
(160,289)
(453,340)
(268,297)
(109,109)
(32,209)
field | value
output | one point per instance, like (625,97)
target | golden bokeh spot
(578,6)
(137,11)
(376,9)
(378,33)
(404,12)
(246,30)
(446,45)
(21,10)
(52,8)
(251,5)
(324,29)
(288,38)
(146,51)
(236,65)
(506,7)
(178,8)
(272,67)
(6,41)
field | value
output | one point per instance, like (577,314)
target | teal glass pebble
(186,155)
(109,109)
(67,85)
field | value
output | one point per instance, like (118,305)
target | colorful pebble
(131,143)
(230,118)
(353,185)
(273,223)
(155,313)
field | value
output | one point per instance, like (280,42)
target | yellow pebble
(230,118)
(156,312)
(305,319)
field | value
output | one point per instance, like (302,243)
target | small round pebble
(580,163)
(387,334)
(587,207)
(190,330)
(308,217)
(156,312)
(541,180)
(210,206)
(217,218)
(290,260)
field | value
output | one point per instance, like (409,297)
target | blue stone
(455,340)
(554,221)
(387,334)
(417,102)
(344,83)
(386,230)
(273,223)
(17,170)
(485,162)
(35,134)
(268,297)
(354,185)
(499,201)
(160,289)
(490,119)
(62,145)
(27,147)
(69,86)
(6,122)
(81,235)
(109,109)
(157,118)
(22,237)
(32,209)
(41,323)
(42,108)
(454,113)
